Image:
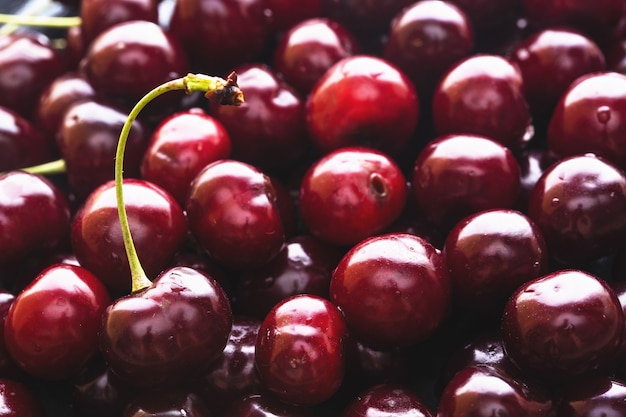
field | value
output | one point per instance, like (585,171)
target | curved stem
(40,21)
(49,168)
(215,88)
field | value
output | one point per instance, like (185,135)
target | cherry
(243,32)
(34,215)
(173,403)
(300,350)
(168,332)
(269,129)
(18,400)
(395,278)
(52,326)
(87,139)
(490,254)
(390,400)
(310,48)
(483,95)
(550,60)
(28,64)
(304,266)
(345,106)
(562,325)
(157,222)
(365,18)
(180,146)
(129,59)
(593,396)
(458,175)
(99,15)
(426,39)
(587,118)
(232,212)
(350,194)
(484,390)
(533,163)
(21,143)
(578,205)
(263,405)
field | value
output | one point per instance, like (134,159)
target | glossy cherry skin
(300,350)
(580,206)
(562,325)
(310,48)
(34,215)
(99,15)
(180,146)
(426,39)
(350,194)
(600,395)
(263,405)
(28,64)
(87,138)
(129,59)
(483,390)
(172,403)
(57,97)
(19,400)
(168,332)
(232,211)
(268,130)
(550,60)
(491,253)
(233,374)
(218,35)
(458,175)
(390,400)
(286,14)
(362,100)
(21,143)
(157,224)
(393,289)
(588,118)
(304,266)
(482,94)
(51,328)
(533,163)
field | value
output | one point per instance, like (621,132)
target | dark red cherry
(600,395)
(304,266)
(458,175)
(233,375)
(129,59)
(169,332)
(99,15)
(588,118)
(34,215)
(389,400)
(75,47)
(180,146)
(57,97)
(195,259)
(263,405)
(395,278)
(550,60)
(362,100)
(483,95)
(365,18)
(300,350)
(28,63)
(19,400)
(310,48)
(233,213)
(268,130)
(491,253)
(87,138)
(286,13)
(218,35)
(562,325)
(170,403)
(22,144)
(8,367)
(426,39)
(483,390)
(580,206)
(156,221)
(52,326)
(350,194)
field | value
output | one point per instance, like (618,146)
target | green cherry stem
(216,89)
(49,168)
(41,21)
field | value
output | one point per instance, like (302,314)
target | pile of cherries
(418,210)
